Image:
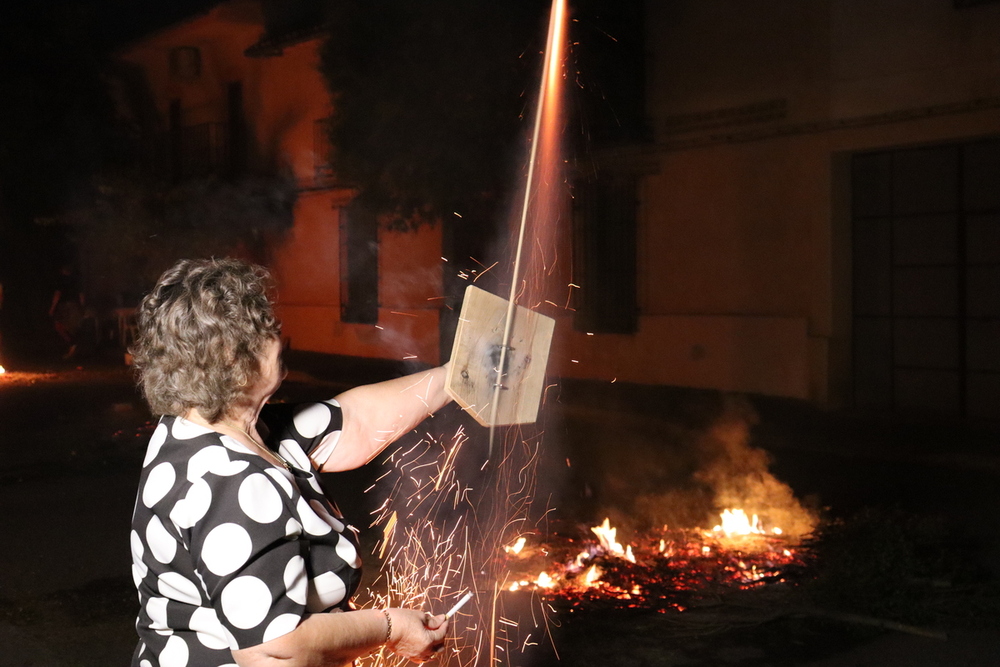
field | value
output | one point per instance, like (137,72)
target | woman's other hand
(417,635)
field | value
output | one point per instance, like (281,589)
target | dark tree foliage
(434,103)
(431,100)
(58,119)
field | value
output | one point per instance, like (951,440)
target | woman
(237,554)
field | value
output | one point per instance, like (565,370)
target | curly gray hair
(201,333)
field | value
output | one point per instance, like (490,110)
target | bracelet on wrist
(388,626)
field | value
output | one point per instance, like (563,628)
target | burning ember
(735,522)
(671,569)
(14,378)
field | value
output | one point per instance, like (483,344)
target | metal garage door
(926,258)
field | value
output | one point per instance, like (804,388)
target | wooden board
(475,357)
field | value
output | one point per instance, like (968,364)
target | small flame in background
(453,524)
(735,522)
(665,571)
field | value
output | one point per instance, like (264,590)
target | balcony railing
(198,151)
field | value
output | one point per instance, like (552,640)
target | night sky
(108,23)
(57,127)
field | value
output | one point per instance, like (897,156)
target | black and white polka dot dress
(230,551)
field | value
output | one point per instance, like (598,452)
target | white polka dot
(175,653)
(158,484)
(190,509)
(161,543)
(138,573)
(246,601)
(208,628)
(314,483)
(312,420)
(227,547)
(324,514)
(234,468)
(185,430)
(293,529)
(348,553)
(155,442)
(259,500)
(137,549)
(145,663)
(205,459)
(325,591)
(296,582)
(235,445)
(213,459)
(178,587)
(156,609)
(333,402)
(312,523)
(324,450)
(233,644)
(283,478)
(294,454)
(282,625)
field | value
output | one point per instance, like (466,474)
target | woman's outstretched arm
(376,415)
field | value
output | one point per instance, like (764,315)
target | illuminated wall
(743,276)
(744,260)
(284,100)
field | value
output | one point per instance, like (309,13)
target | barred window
(605,216)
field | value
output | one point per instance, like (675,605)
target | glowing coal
(670,570)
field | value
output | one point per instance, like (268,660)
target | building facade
(817,205)
(813,211)
(230,93)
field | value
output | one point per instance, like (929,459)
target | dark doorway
(926,257)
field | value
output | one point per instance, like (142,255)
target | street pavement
(71,444)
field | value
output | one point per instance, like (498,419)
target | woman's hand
(416,635)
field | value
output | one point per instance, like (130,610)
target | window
(202,151)
(185,63)
(358,265)
(236,130)
(322,148)
(604,219)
